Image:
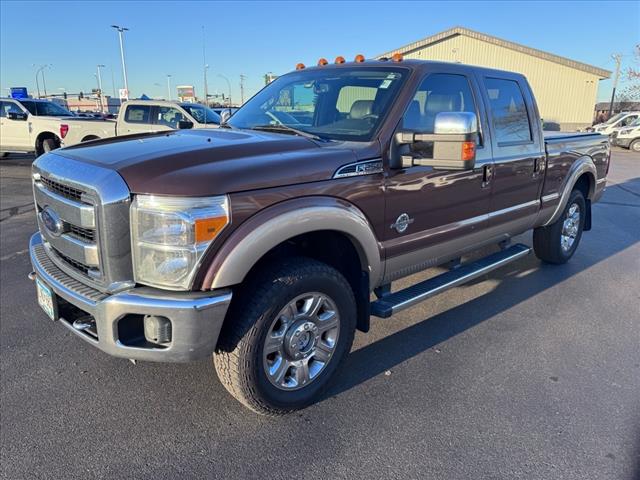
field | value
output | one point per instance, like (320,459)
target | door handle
(538,165)
(487,174)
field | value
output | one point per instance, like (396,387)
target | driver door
(431,213)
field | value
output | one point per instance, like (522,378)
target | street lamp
(100,87)
(228,84)
(121,30)
(41,69)
(169,87)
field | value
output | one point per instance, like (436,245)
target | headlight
(170,234)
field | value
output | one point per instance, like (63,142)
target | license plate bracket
(47,299)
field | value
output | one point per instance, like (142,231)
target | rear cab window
(138,114)
(511,124)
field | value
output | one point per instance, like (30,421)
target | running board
(398,301)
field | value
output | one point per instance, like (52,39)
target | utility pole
(229,85)
(168,87)
(121,30)
(113,83)
(618,58)
(205,66)
(100,88)
(242,79)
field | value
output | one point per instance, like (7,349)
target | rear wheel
(287,332)
(556,243)
(635,146)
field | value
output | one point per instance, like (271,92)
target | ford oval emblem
(52,221)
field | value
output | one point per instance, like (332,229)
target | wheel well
(42,137)
(335,249)
(90,137)
(586,185)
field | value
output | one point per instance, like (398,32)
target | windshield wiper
(287,129)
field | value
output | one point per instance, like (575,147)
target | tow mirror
(225,115)
(17,116)
(452,146)
(185,125)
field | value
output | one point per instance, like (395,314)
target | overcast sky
(254,38)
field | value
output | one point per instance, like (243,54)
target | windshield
(615,118)
(331,103)
(46,109)
(201,114)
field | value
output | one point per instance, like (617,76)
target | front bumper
(196,317)
(621,142)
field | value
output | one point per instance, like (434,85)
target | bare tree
(631,91)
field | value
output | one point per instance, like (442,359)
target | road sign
(124,94)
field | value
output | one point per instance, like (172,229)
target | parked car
(39,126)
(619,120)
(627,137)
(261,242)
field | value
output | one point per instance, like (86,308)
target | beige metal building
(566,90)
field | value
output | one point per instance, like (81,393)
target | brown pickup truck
(269,241)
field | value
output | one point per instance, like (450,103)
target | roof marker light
(396,57)
(359,58)
(300,66)
(339,59)
(322,62)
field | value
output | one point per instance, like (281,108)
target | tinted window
(138,114)
(201,114)
(9,107)
(168,116)
(439,92)
(509,111)
(50,109)
(30,106)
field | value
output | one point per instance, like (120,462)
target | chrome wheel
(301,341)
(570,227)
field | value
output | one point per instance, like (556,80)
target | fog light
(157,329)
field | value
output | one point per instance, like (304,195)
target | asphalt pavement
(531,372)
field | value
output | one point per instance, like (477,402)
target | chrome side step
(398,301)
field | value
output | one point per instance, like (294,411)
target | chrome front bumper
(196,317)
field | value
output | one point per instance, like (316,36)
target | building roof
(452,32)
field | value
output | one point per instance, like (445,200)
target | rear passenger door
(518,153)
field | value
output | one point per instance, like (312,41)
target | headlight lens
(169,236)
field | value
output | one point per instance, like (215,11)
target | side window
(138,114)
(168,116)
(628,120)
(509,111)
(439,92)
(8,107)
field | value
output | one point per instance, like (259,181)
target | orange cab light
(468,150)
(300,66)
(396,57)
(322,62)
(359,58)
(340,59)
(208,228)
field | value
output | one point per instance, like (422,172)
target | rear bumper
(196,317)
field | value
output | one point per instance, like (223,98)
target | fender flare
(283,221)
(581,166)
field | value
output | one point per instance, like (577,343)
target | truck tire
(635,146)
(556,243)
(48,144)
(287,331)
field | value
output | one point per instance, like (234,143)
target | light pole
(100,87)
(121,30)
(205,67)
(44,85)
(169,87)
(228,84)
(41,69)
(37,82)
(242,79)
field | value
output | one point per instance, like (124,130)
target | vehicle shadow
(517,282)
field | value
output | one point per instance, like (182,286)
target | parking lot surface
(530,372)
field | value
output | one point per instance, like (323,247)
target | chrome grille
(84,234)
(62,190)
(90,204)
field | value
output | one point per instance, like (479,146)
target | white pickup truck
(29,125)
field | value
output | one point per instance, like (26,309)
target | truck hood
(211,162)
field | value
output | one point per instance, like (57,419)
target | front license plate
(47,299)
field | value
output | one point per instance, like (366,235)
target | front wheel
(635,146)
(556,243)
(286,333)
